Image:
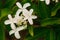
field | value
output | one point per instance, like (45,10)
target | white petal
(10,17)
(26,5)
(17,35)
(34,17)
(25,12)
(18,12)
(11,32)
(47,2)
(53,0)
(25,18)
(31,11)
(13,26)
(19,5)
(30,21)
(20,28)
(14,20)
(56,1)
(7,22)
(41,0)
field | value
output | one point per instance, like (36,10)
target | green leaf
(0,4)
(9,3)
(50,21)
(39,32)
(0,13)
(44,11)
(26,1)
(5,12)
(2,32)
(35,7)
(52,35)
(30,28)
(57,30)
(55,9)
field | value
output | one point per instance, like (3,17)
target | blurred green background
(46,26)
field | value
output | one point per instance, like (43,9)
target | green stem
(52,35)
(2,32)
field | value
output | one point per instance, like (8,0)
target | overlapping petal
(13,26)
(18,12)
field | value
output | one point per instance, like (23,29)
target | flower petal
(10,17)
(18,12)
(19,5)
(56,0)
(20,28)
(7,22)
(47,2)
(14,20)
(31,11)
(25,18)
(17,35)
(11,32)
(34,17)
(26,5)
(30,21)
(25,12)
(41,0)
(13,26)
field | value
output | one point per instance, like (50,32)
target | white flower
(16,31)
(47,2)
(22,8)
(13,26)
(20,19)
(28,16)
(56,0)
(10,21)
(41,0)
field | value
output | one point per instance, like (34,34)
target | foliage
(46,26)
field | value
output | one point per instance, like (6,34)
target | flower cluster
(48,1)
(19,21)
